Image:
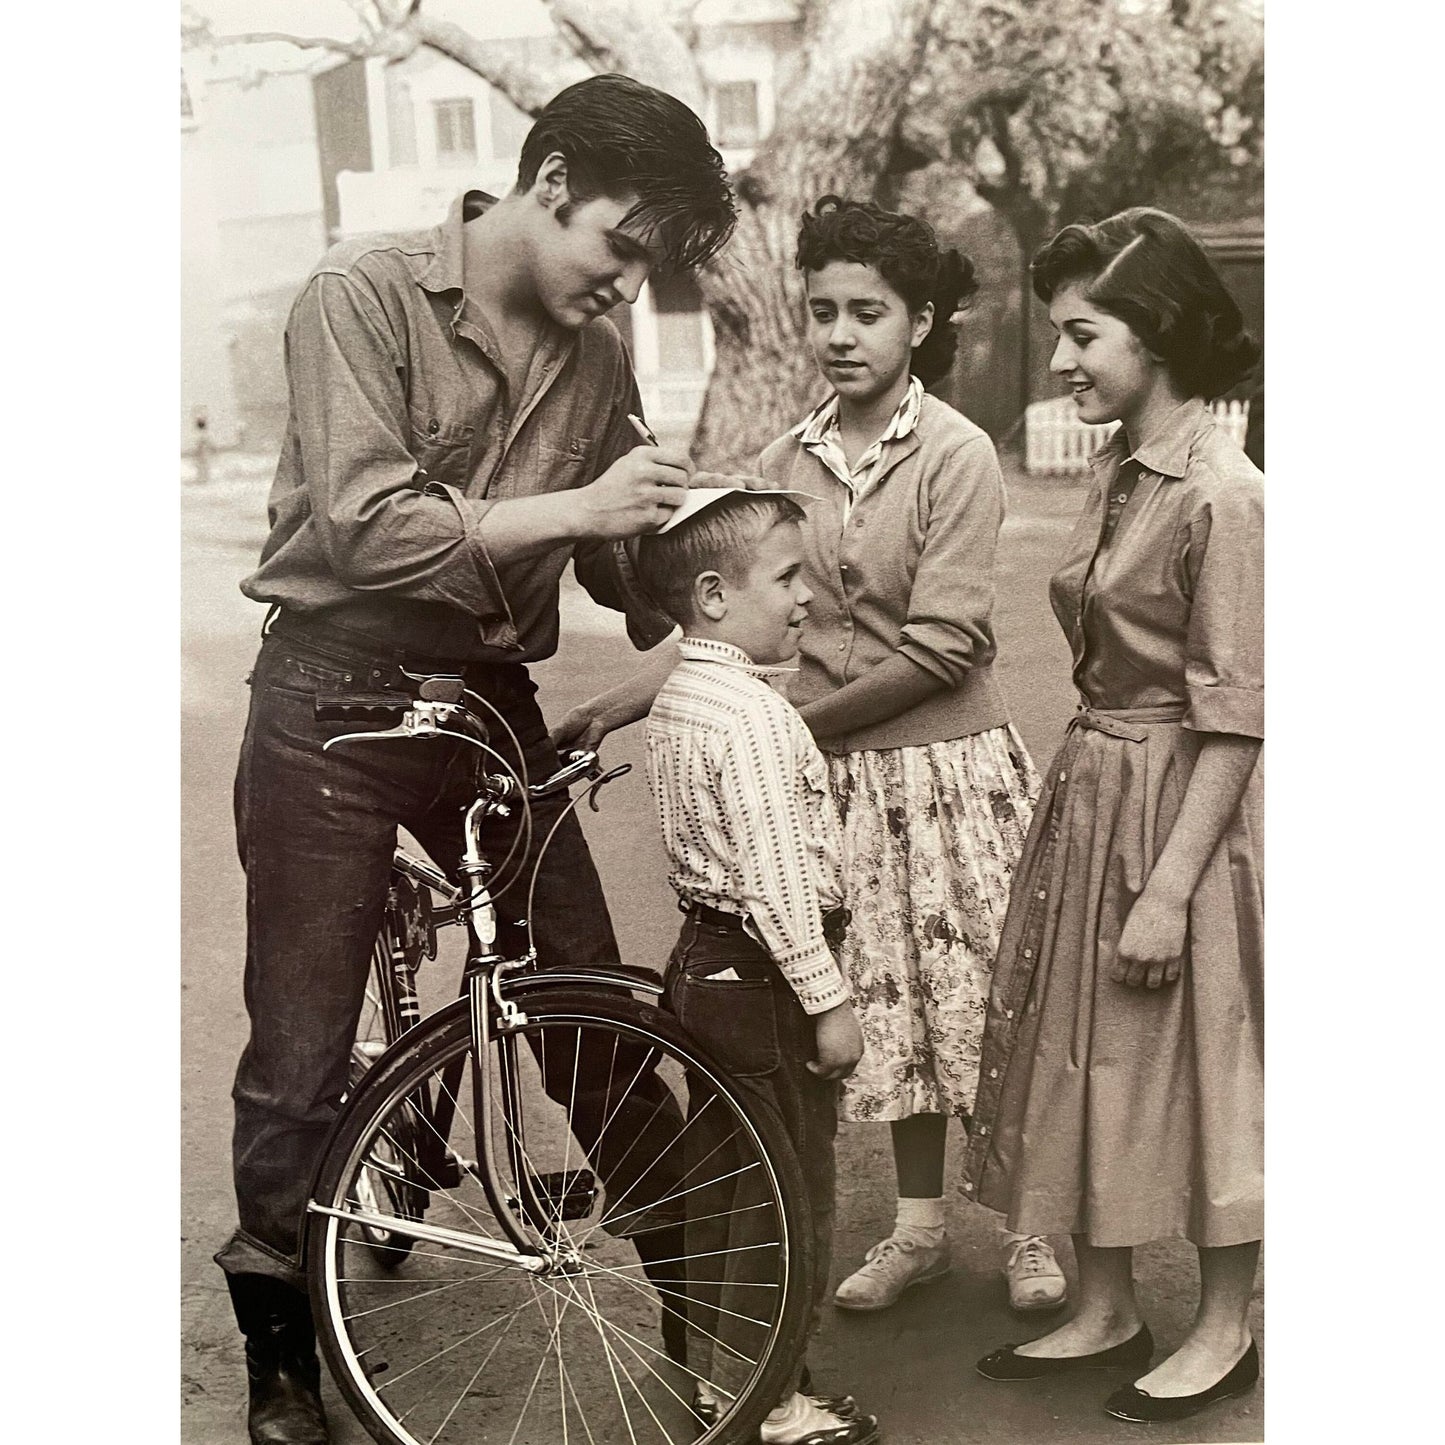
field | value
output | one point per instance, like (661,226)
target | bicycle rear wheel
(382,1186)
(466,1343)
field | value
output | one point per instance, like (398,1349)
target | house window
(456,132)
(678,304)
(737,113)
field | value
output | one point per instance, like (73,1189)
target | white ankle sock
(920,1220)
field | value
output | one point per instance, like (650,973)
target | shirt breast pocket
(442,449)
(564,465)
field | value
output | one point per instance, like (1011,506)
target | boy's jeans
(757,1030)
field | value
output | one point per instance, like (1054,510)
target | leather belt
(835,920)
(1129,723)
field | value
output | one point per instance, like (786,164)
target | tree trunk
(836,131)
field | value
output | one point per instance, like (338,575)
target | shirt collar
(445,271)
(822,419)
(1166,449)
(705,649)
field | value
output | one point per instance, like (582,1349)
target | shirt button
(968,1186)
(842,647)
(1063,777)
(982,1130)
(1028,953)
(1041,894)
(993,1073)
(433,426)
(1122,497)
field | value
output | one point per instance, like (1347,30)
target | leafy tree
(1045,108)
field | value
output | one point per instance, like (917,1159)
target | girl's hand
(583,727)
(1151,947)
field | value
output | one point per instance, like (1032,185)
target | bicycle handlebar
(439,704)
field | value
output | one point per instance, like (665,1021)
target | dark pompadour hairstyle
(619,136)
(720,538)
(905,252)
(1144,267)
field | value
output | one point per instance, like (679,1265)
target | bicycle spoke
(626,1338)
(425,1294)
(455,1345)
(643,1290)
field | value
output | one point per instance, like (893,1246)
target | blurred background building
(285,150)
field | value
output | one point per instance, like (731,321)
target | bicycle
(508,1243)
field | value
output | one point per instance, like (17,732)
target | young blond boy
(753,839)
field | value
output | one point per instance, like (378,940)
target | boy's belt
(835,920)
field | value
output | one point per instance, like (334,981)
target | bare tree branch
(356,49)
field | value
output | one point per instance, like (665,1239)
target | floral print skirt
(931,837)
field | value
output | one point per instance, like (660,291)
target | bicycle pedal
(563,1196)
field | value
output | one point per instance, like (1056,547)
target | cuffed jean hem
(243,1254)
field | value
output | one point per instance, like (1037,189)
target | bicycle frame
(491,984)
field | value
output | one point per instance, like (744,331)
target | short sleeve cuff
(1226,710)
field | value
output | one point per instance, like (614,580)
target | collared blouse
(1170,609)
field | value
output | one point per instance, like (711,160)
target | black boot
(281,1365)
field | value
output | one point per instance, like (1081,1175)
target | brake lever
(402,731)
(621,770)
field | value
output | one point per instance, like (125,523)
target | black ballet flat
(1005,1364)
(1133,1404)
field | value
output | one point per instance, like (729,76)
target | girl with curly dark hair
(933,785)
(1123,1058)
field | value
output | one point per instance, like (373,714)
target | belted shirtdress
(1127,1114)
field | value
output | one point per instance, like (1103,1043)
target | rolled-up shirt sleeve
(950,604)
(383,526)
(1224,644)
(756,781)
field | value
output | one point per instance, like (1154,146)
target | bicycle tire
(458,1329)
(376,1030)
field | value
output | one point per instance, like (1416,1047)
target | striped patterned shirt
(747,818)
(820,434)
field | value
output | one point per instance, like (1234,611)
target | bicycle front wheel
(665,1218)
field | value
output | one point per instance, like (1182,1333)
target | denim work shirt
(403,432)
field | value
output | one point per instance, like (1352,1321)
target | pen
(642,429)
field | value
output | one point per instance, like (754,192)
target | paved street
(912,1365)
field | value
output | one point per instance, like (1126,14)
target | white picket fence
(1055,440)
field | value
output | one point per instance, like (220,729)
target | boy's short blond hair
(721,538)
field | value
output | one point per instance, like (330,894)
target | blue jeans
(316,833)
(757,1030)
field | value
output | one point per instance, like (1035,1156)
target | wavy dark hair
(621,137)
(905,252)
(1145,267)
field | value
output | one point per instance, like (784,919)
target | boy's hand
(840,1043)
(637,493)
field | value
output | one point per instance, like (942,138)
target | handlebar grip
(360,706)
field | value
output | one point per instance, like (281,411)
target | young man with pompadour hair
(458,432)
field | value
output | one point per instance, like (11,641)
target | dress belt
(1129,723)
